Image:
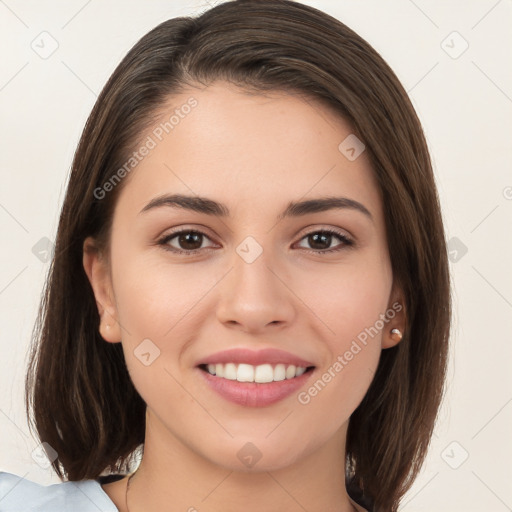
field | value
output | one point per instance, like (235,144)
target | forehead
(248,149)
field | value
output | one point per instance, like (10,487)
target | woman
(250,282)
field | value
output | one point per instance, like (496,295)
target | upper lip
(255,357)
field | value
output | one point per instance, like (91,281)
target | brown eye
(320,241)
(190,241)
(185,241)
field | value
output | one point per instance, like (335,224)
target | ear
(97,268)
(397,317)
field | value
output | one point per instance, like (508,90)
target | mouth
(260,374)
(254,386)
(254,378)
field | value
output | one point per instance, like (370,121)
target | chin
(253,455)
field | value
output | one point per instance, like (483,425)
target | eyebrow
(294,208)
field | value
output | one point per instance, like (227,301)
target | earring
(396,334)
(107,326)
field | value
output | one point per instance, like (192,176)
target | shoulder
(17,494)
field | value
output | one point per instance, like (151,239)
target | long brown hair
(77,386)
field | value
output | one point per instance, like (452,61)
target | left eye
(190,241)
(325,236)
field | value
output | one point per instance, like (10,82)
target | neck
(178,478)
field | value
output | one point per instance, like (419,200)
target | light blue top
(18,494)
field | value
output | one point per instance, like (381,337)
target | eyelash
(347,242)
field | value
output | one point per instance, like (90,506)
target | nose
(256,295)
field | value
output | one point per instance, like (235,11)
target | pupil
(190,238)
(326,238)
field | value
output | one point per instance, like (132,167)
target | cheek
(155,299)
(353,307)
(333,395)
(351,300)
(353,310)
(158,307)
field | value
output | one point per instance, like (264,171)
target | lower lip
(254,394)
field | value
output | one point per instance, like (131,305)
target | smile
(249,392)
(262,374)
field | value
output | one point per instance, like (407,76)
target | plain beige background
(452,57)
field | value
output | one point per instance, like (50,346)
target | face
(252,279)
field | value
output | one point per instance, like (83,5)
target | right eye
(185,238)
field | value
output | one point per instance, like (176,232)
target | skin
(245,151)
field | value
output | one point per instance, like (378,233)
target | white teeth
(300,371)
(245,373)
(230,371)
(262,373)
(290,371)
(280,372)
